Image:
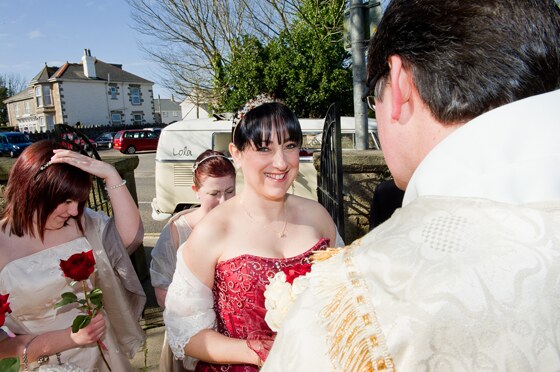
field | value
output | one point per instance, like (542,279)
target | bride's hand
(92,166)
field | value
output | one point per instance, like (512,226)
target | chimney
(89,64)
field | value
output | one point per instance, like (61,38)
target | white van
(180,144)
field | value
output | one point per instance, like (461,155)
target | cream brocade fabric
(456,283)
(448,284)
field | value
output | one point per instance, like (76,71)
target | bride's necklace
(281,233)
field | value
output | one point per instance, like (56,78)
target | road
(145,188)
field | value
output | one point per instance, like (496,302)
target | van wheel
(130,150)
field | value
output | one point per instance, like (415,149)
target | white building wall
(189,111)
(85,102)
(90,103)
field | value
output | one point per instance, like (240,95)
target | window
(176,113)
(116,118)
(113,92)
(47,95)
(137,119)
(38,97)
(42,124)
(50,122)
(26,107)
(165,114)
(16,105)
(135,95)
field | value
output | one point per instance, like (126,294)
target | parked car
(155,130)
(104,140)
(13,143)
(131,140)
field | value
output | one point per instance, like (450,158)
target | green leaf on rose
(80,322)
(67,298)
(96,298)
(9,365)
(95,293)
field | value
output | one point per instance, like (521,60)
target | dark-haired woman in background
(44,221)
(228,260)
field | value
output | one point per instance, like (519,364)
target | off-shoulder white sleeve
(339,242)
(189,308)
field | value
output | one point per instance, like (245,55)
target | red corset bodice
(239,285)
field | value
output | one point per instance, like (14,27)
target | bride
(215,305)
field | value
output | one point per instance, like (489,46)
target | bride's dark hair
(258,124)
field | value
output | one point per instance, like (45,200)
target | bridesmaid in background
(213,183)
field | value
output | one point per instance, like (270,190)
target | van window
(220,142)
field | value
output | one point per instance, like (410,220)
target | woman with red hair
(45,221)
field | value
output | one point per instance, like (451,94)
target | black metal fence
(329,188)
(74,139)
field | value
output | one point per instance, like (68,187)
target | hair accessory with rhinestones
(45,166)
(261,99)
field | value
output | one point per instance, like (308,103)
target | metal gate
(329,188)
(73,139)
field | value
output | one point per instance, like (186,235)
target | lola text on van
(182,152)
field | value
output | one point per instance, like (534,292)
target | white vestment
(465,277)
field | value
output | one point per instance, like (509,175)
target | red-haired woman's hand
(91,333)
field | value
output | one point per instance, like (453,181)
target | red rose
(295,271)
(4,308)
(79,266)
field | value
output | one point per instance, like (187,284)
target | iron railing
(329,189)
(73,139)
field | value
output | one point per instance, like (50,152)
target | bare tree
(14,83)
(10,85)
(191,39)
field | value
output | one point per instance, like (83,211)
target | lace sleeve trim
(189,308)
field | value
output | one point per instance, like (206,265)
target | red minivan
(131,140)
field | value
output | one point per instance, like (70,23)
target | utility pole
(358,46)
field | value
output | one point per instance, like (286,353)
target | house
(89,93)
(167,111)
(197,105)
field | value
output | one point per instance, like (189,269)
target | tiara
(197,163)
(261,99)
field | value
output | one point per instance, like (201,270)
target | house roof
(44,75)
(109,72)
(166,105)
(21,96)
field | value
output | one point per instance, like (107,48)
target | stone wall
(363,170)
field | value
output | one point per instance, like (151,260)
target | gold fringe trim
(325,254)
(355,340)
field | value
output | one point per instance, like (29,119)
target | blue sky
(33,32)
